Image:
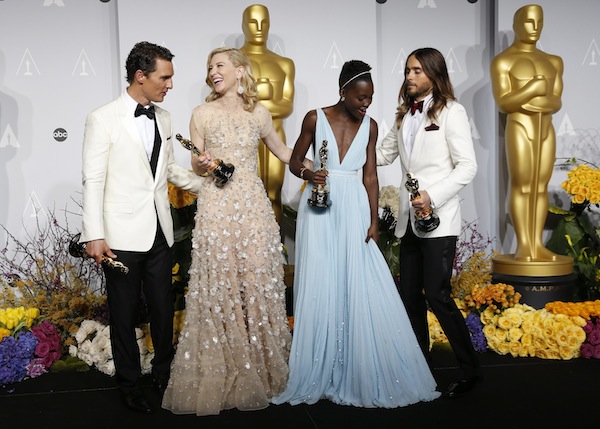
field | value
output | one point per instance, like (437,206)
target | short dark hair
(143,57)
(353,71)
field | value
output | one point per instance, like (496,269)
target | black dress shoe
(136,401)
(461,387)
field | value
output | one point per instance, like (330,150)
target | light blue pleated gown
(352,342)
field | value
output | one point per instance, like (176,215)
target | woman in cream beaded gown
(234,346)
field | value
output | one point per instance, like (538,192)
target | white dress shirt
(144,124)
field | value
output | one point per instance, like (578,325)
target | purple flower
(476,329)
(35,368)
(589,327)
(597,351)
(12,363)
(587,350)
(26,343)
(594,337)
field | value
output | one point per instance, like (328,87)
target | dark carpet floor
(516,393)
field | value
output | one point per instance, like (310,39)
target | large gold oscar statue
(275,81)
(527,85)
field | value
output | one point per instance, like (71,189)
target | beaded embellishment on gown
(234,346)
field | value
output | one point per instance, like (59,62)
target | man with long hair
(432,138)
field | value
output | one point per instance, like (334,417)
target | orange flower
(180,198)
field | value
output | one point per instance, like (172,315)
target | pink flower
(35,368)
(47,328)
(587,350)
(42,349)
(54,343)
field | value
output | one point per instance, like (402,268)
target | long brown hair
(248,82)
(434,66)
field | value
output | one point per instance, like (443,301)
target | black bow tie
(417,105)
(141,110)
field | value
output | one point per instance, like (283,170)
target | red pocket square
(432,127)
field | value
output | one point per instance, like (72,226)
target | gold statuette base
(507,264)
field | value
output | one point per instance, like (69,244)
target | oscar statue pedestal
(538,282)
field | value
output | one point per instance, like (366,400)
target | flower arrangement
(575,235)
(591,346)
(28,347)
(583,185)
(40,273)
(493,297)
(585,309)
(183,210)
(475,271)
(93,347)
(436,333)
(389,244)
(523,331)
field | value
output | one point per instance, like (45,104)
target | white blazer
(119,192)
(442,160)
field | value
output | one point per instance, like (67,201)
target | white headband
(352,78)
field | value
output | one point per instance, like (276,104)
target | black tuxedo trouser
(425,273)
(150,271)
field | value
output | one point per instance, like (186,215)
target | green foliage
(575,236)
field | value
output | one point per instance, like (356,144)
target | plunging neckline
(337,148)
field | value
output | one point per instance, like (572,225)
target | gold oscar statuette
(77,250)
(220,171)
(320,193)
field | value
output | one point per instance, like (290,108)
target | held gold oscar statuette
(220,171)
(427,220)
(77,249)
(320,193)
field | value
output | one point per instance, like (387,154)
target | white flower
(94,347)
(389,196)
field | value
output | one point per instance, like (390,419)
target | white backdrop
(59,59)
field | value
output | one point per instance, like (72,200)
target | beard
(415,92)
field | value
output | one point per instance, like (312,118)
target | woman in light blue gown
(353,342)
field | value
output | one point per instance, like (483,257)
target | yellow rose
(487,315)
(514,348)
(527,325)
(562,338)
(577,333)
(552,354)
(541,353)
(568,353)
(539,343)
(515,334)
(552,344)
(548,332)
(504,322)
(524,351)
(527,339)
(489,331)
(501,334)
(503,348)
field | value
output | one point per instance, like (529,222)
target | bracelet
(302,170)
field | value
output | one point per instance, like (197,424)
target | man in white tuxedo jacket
(127,161)
(432,139)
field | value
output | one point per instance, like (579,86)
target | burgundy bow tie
(141,110)
(417,105)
